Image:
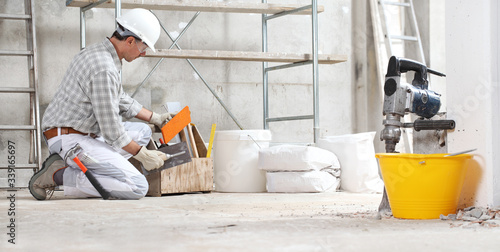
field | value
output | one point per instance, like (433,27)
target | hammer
(73,154)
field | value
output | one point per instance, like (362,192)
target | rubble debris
(476,213)
(448,217)
(491,223)
(475,217)
(469,208)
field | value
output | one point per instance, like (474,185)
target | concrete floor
(230,222)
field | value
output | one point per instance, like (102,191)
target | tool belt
(64,131)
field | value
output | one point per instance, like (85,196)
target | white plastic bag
(310,181)
(357,158)
(296,158)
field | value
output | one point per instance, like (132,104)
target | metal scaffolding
(313,7)
(266,69)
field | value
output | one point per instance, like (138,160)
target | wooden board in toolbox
(195,176)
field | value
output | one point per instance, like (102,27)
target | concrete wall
(239,84)
(472,58)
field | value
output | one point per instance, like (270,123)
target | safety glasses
(142,48)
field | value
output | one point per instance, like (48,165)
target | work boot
(43,181)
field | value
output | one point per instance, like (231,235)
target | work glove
(160,119)
(150,159)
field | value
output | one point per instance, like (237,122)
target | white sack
(310,181)
(296,158)
(357,157)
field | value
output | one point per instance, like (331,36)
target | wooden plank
(198,5)
(200,144)
(192,142)
(195,176)
(244,56)
(183,137)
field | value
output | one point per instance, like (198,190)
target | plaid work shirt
(90,97)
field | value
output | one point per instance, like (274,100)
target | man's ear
(130,40)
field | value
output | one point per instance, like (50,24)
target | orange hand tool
(176,124)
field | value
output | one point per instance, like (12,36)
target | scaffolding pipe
(118,11)
(83,21)
(82,28)
(265,77)
(315,69)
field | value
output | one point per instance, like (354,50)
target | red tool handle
(104,194)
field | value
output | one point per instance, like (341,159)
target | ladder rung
(409,38)
(15,53)
(19,166)
(16,90)
(289,118)
(17,127)
(15,16)
(396,3)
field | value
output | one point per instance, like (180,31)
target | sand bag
(296,158)
(327,180)
(357,158)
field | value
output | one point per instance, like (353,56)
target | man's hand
(160,120)
(151,159)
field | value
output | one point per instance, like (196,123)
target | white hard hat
(143,24)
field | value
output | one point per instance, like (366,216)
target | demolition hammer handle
(104,194)
(433,125)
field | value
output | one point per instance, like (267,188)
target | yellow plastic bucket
(423,186)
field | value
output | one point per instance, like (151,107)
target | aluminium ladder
(405,7)
(31,90)
(382,30)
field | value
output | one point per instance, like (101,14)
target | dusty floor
(229,222)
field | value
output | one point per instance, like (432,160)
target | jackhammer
(402,98)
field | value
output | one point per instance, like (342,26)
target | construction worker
(87,110)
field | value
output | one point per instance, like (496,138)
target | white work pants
(113,170)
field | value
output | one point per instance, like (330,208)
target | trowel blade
(176,159)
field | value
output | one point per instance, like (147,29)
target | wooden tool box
(195,176)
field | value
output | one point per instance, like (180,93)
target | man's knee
(143,128)
(140,132)
(146,135)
